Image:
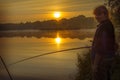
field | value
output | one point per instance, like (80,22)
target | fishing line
(29,58)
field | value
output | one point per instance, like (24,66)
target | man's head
(101,13)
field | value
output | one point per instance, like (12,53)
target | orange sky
(16,11)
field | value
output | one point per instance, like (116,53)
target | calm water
(59,66)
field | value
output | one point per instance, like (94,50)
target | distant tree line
(79,22)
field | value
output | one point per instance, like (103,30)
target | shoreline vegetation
(74,23)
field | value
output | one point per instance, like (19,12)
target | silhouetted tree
(114,7)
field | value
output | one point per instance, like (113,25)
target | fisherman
(103,50)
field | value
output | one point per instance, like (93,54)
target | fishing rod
(29,58)
(6,68)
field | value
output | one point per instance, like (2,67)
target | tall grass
(84,67)
(85,70)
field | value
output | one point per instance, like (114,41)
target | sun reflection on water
(58,40)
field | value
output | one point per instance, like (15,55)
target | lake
(58,66)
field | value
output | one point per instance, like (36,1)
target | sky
(17,11)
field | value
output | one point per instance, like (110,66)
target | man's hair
(100,10)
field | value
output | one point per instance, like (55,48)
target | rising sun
(57,14)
